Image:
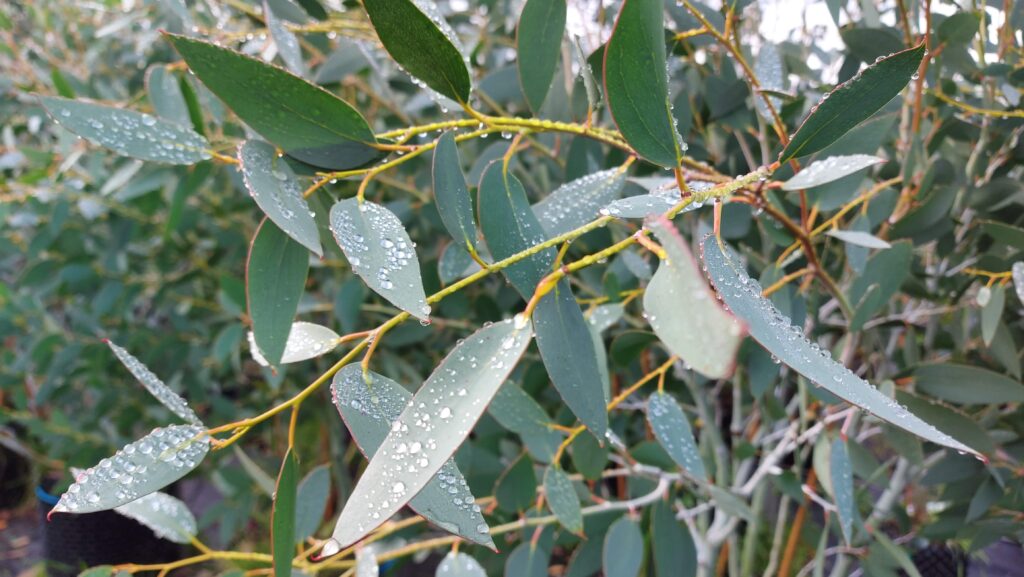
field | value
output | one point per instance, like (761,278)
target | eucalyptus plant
(533,288)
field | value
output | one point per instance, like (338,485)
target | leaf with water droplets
(282,516)
(168,517)
(370,411)
(578,202)
(1017,274)
(842,486)
(770,71)
(381,253)
(305,120)
(433,424)
(311,501)
(305,341)
(155,386)
(455,263)
(683,311)
(663,196)
(852,102)
(787,343)
(129,132)
(516,410)
(287,43)
(277,191)
(457,564)
(604,317)
(636,83)
(623,547)
(538,47)
(417,36)
(859,238)
(147,465)
(450,192)
(164,93)
(563,338)
(829,169)
(275,280)
(562,499)
(672,429)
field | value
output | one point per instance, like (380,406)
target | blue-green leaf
(155,386)
(967,385)
(832,168)
(672,429)
(164,93)
(538,47)
(311,502)
(168,517)
(842,486)
(275,280)
(562,499)
(578,202)
(457,564)
(623,548)
(451,194)
(527,560)
(282,518)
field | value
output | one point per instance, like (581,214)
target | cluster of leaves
(321,206)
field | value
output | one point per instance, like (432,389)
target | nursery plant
(519,288)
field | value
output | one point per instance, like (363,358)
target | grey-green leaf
(992,313)
(311,502)
(277,191)
(562,499)
(147,465)
(155,386)
(516,410)
(672,429)
(859,238)
(527,560)
(674,552)
(381,253)
(538,47)
(771,73)
(842,486)
(623,549)
(164,93)
(967,385)
(128,132)
(778,335)
(305,341)
(287,43)
(451,193)
(457,564)
(275,280)
(829,169)
(432,426)
(168,517)
(578,202)
(282,517)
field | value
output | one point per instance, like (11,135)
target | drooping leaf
(305,120)
(277,191)
(451,194)
(539,47)
(282,517)
(562,499)
(369,412)
(128,132)
(853,101)
(705,336)
(967,385)
(672,429)
(563,337)
(868,44)
(138,469)
(730,503)
(1017,274)
(164,93)
(516,410)
(305,341)
(623,548)
(166,516)
(275,279)
(527,560)
(432,426)
(992,312)
(675,554)
(636,82)
(777,334)
(959,28)
(417,36)
(859,238)
(516,488)
(949,421)
(578,202)
(771,73)
(842,486)
(381,253)
(456,564)
(829,169)
(287,43)
(155,386)
(311,501)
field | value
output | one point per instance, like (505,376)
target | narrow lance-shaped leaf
(282,518)
(771,73)
(155,386)
(305,120)
(562,499)
(128,132)
(842,486)
(859,238)
(451,194)
(684,313)
(166,516)
(381,253)
(164,93)
(967,385)
(636,82)
(275,279)
(147,465)
(431,427)
(672,429)
(457,564)
(578,202)
(781,338)
(1017,274)
(830,169)
(417,36)
(674,552)
(311,501)
(853,101)
(305,341)
(516,410)
(369,411)
(623,548)
(286,41)
(538,47)
(278,193)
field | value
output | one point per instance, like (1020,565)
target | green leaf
(431,427)
(771,72)
(578,202)
(562,499)
(282,517)
(311,502)
(517,486)
(778,335)
(455,263)
(841,473)
(140,468)
(516,410)
(457,564)
(155,386)
(967,385)
(278,193)
(949,421)
(564,340)
(416,35)
(859,238)
(539,47)
(829,169)
(451,194)
(992,313)
(166,516)
(623,546)
(706,336)
(128,132)
(287,43)
(675,554)
(305,341)
(987,495)
(99,571)
(590,82)
(164,93)
(305,120)
(730,503)
(636,83)
(959,28)
(672,429)
(381,253)
(275,279)
(852,102)
(881,279)
(589,456)
(527,560)
(867,44)
(369,411)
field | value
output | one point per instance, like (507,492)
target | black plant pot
(72,542)
(15,478)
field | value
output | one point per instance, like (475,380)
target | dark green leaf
(562,499)
(282,521)
(517,486)
(527,560)
(881,279)
(275,280)
(164,92)
(992,313)
(539,47)
(867,44)
(578,202)
(949,421)
(672,429)
(829,169)
(311,502)
(675,554)
(967,385)
(516,410)
(589,455)
(988,494)
(841,473)
(959,28)
(623,546)
(451,194)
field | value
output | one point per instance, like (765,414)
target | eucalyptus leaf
(859,238)
(311,501)
(164,93)
(451,194)
(562,499)
(771,72)
(578,202)
(967,385)
(829,169)
(287,43)
(275,280)
(842,486)
(623,548)
(457,564)
(282,517)
(538,47)
(168,517)
(527,560)
(155,386)
(672,429)
(305,341)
